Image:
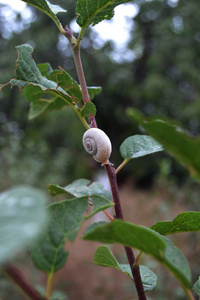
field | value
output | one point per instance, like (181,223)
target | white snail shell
(98,144)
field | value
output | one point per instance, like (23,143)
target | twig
(119,214)
(75,46)
(108,215)
(79,69)
(18,278)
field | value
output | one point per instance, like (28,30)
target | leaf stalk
(189,294)
(48,287)
(125,161)
(108,215)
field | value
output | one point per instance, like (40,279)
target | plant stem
(108,215)
(75,46)
(82,81)
(80,73)
(189,294)
(138,257)
(18,278)
(122,165)
(48,287)
(79,69)
(119,214)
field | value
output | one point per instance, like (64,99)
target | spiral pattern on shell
(98,144)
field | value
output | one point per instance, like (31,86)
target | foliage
(174,139)
(147,241)
(97,12)
(48,8)
(46,94)
(48,253)
(22,214)
(148,82)
(196,287)
(22,217)
(188,221)
(104,257)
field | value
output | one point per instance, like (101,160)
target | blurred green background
(157,72)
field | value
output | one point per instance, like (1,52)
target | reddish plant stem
(119,215)
(81,77)
(110,170)
(18,278)
(79,69)
(80,73)
(108,215)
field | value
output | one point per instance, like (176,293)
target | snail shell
(98,144)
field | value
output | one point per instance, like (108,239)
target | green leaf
(93,11)
(68,84)
(65,220)
(99,203)
(183,147)
(45,69)
(188,221)
(50,9)
(41,102)
(46,89)
(146,240)
(149,278)
(139,145)
(94,226)
(79,188)
(21,218)
(104,257)
(87,109)
(44,94)
(93,91)
(28,73)
(196,287)
(65,81)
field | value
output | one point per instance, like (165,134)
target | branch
(119,214)
(79,69)
(75,46)
(20,281)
